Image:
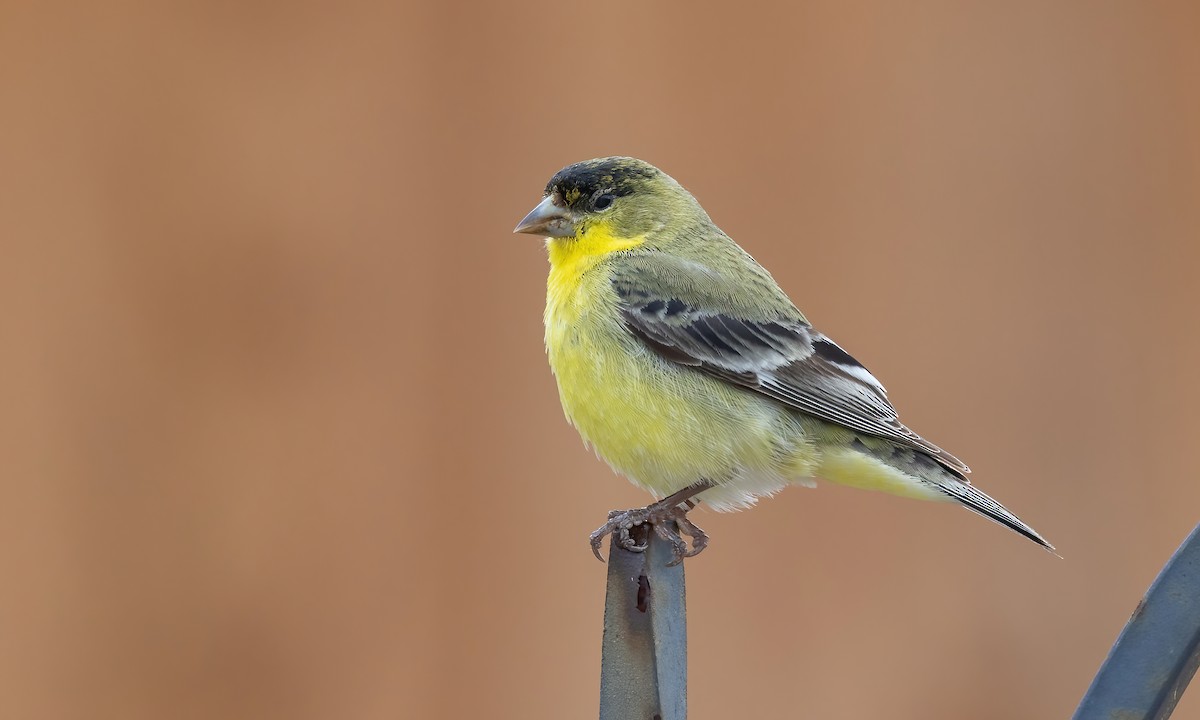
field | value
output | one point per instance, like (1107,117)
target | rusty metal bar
(643,670)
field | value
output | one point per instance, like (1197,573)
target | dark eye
(603,202)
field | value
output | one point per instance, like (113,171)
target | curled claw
(669,519)
(595,542)
(622,524)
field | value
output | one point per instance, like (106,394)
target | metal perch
(643,672)
(1157,653)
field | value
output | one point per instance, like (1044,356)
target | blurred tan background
(278,438)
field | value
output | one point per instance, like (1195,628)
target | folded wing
(781,357)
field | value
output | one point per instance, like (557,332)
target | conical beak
(550,218)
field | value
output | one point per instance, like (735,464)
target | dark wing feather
(784,358)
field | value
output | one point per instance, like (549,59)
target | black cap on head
(616,176)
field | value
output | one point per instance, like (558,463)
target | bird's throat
(571,257)
(593,241)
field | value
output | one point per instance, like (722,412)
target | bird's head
(621,197)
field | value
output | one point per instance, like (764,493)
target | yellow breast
(662,426)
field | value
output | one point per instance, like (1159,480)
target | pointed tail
(979,501)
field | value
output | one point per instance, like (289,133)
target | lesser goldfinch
(682,362)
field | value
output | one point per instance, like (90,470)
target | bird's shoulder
(713,277)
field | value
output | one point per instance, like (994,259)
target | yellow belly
(663,426)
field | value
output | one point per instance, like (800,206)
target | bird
(686,367)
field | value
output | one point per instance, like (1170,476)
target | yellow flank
(846,466)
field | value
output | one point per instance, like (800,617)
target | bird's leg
(669,519)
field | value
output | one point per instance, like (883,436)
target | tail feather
(980,502)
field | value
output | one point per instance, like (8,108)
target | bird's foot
(669,519)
